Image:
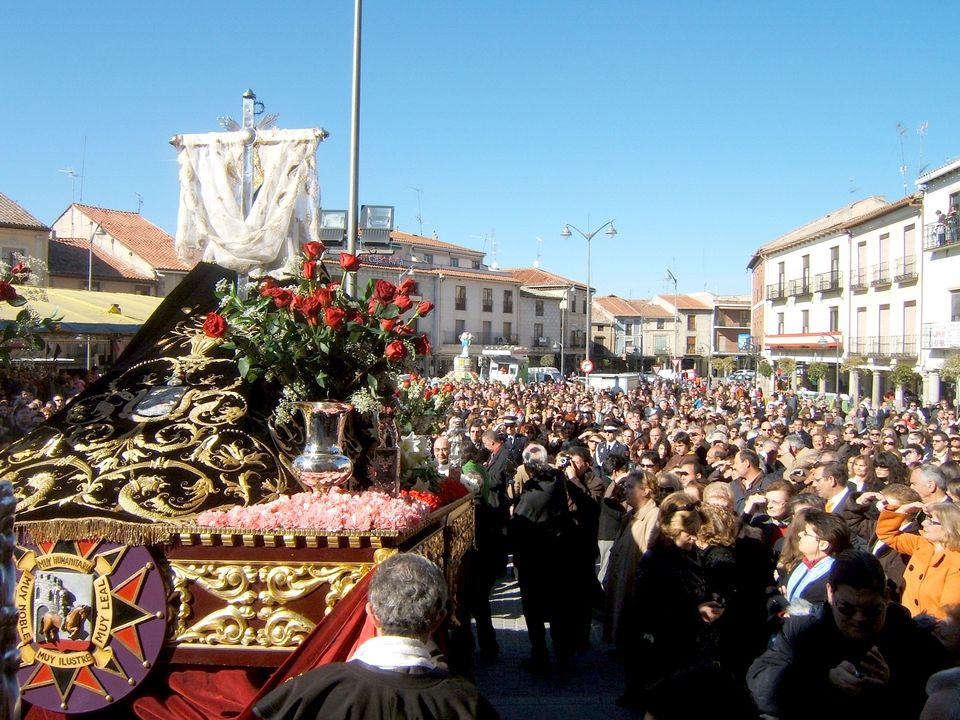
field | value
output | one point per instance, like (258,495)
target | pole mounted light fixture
(588,236)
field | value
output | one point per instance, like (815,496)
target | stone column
(898,398)
(877,395)
(854,380)
(822,386)
(931,388)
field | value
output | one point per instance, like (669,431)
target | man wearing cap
(513,441)
(610,444)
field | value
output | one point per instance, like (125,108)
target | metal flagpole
(352,214)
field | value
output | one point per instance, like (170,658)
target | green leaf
(243,366)
(389,312)
(372,382)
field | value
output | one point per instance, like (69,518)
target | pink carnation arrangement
(335,511)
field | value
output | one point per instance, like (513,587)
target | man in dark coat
(860,656)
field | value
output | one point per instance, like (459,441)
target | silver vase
(321,464)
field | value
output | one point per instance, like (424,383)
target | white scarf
(401,654)
(803,576)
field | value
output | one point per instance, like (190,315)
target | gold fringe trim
(116,531)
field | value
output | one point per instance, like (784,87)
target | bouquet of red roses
(319,342)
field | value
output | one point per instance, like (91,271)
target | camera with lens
(563,461)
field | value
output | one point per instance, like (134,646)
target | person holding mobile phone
(860,656)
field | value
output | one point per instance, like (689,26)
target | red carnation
(349,262)
(334,317)
(309,269)
(407,287)
(214,326)
(403,303)
(424,308)
(395,350)
(387,324)
(421,344)
(313,250)
(384,291)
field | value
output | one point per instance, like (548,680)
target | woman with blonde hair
(673,608)
(932,578)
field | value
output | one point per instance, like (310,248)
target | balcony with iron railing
(905,270)
(452,337)
(858,279)
(940,235)
(541,341)
(880,274)
(777,291)
(829,281)
(884,346)
(799,287)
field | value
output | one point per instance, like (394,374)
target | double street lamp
(611,231)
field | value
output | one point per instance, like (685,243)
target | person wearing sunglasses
(932,578)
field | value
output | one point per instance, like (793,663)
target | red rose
(266,286)
(214,326)
(334,317)
(421,344)
(403,303)
(387,324)
(424,308)
(349,262)
(428,393)
(281,297)
(396,350)
(404,330)
(310,308)
(408,287)
(384,291)
(324,295)
(372,306)
(313,250)
(356,317)
(309,269)
(20,269)
(448,388)
(7,291)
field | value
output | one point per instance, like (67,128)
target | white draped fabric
(284,215)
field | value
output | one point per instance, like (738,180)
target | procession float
(209,510)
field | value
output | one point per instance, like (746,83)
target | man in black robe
(398,673)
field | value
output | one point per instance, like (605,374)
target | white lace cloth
(284,214)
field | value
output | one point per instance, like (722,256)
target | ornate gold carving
(254,591)
(431,547)
(227,626)
(462,529)
(382,554)
(283,628)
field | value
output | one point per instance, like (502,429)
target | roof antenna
(139,202)
(922,132)
(901,131)
(493,251)
(419,192)
(536,263)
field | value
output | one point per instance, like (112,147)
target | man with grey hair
(930,482)
(397,674)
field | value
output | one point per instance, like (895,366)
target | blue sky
(705,128)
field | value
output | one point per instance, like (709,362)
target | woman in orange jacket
(932,577)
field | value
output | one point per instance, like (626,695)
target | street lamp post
(611,231)
(676,321)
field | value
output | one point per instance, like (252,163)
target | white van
(544,374)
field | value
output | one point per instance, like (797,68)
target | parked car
(742,376)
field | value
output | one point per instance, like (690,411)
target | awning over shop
(89,313)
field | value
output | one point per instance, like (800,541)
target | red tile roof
(616,306)
(140,235)
(70,256)
(536,276)
(14,216)
(409,239)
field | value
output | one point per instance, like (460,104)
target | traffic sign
(586,366)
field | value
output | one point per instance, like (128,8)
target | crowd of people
(774,551)
(29,395)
